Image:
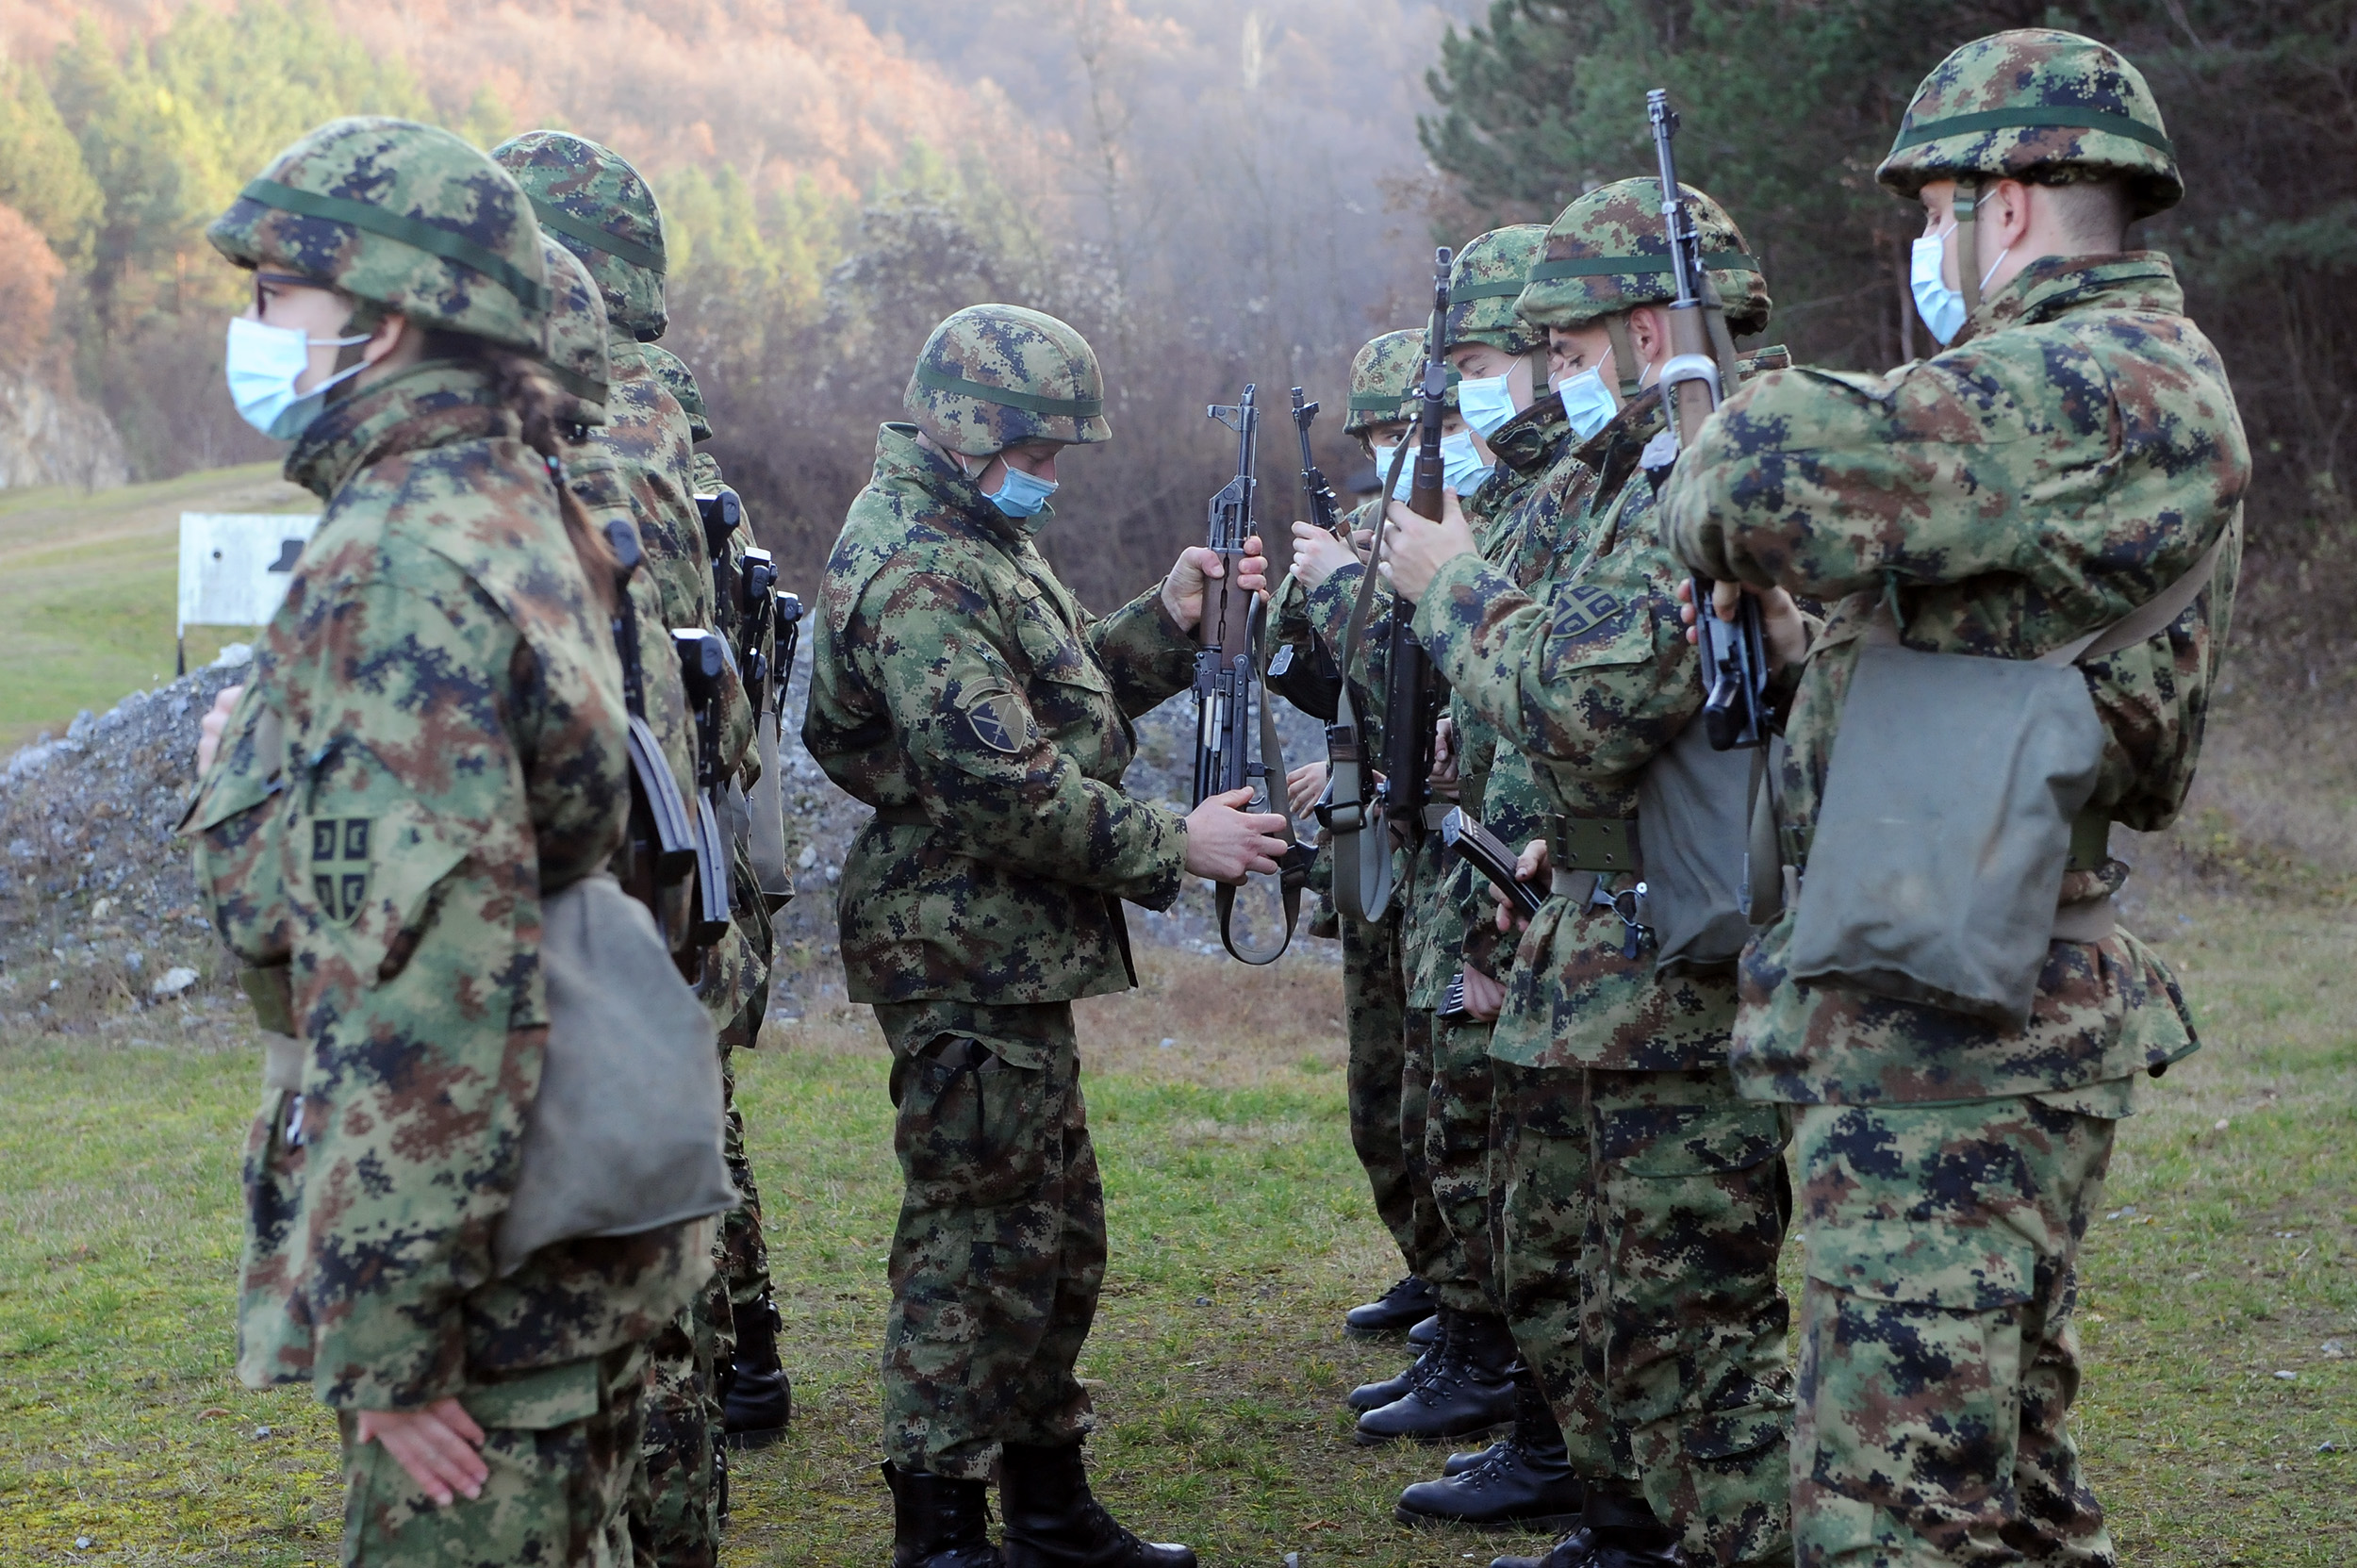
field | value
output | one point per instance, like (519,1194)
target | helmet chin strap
(1965,207)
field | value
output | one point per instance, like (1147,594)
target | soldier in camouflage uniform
(1631,1164)
(1374,988)
(593,203)
(1525,1478)
(757,1399)
(376,849)
(962,692)
(2073,455)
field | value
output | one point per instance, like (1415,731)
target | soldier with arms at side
(961,690)
(2071,462)
(432,747)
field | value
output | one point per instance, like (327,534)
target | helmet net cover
(992,376)
(403,216)
(2037,105)
(1609,252)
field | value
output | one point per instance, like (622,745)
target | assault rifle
(1314,683)
(1700,374)
(1231,707)
(661,837)
(1362,825)
(763,625)
(702,661)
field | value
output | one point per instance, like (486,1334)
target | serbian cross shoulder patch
(341,857)
(998,721)
(1583,608)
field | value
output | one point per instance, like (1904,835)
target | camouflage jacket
(958,687)
(453,748)
(646,430)
(1520,526)
(1591,675)
(2068,459)
(1430,930)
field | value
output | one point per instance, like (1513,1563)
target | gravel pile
(98,910)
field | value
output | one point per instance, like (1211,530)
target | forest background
(1214,191)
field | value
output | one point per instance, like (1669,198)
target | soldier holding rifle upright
(1643,1200)
(2029,545)
(961,690)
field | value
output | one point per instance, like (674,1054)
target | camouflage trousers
(999,1250)
(560,1443)
(1547,1252)
(744,1255)
(1457,1155)
(675,1496)
(1691,1203)
(1375,1012)
(1938,1358)
(1641,1215)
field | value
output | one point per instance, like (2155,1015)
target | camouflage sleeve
(987,775)
(414,870)
(1148,658)
(1596,675)
(1831,484)
(234,825)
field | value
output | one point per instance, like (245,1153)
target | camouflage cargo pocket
(975,1129)
(1911,1360)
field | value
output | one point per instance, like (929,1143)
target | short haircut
(2093,214)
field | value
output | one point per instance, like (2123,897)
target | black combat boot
(759,1402)
(1618,1530)
(1465,1459)
(1374,1396)
(1053,1522)
(1526,1481)
(1425,1334)
(1394,1311)
(1470,1388)
(939,1523)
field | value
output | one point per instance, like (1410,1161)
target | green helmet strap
(1069,408)
(1625,364)
(554,217)
(1966,209)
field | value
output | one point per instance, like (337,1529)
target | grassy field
(87,589)
(1240,1231)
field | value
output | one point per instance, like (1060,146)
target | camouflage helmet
(1609,252)
(1483,284)
(992,376)
(1384,376)
(2036,105)
(599,210)
(678,380)
(404,217)
(574,349)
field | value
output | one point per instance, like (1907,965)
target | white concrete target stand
(235,567)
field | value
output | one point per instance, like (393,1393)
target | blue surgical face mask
(262,366)
(1588,403)
(1020,494)
(1941,307)
(1485,403)
(1406,481)
(1462,468)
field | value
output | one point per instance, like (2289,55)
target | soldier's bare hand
(1226,843)
(1414,548)
(436,1445)
(1197,565)
(1303,786)
(209,728)
(1782,626)
(1318,555)
(1443,774)
(1485,998)
(1530,866)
